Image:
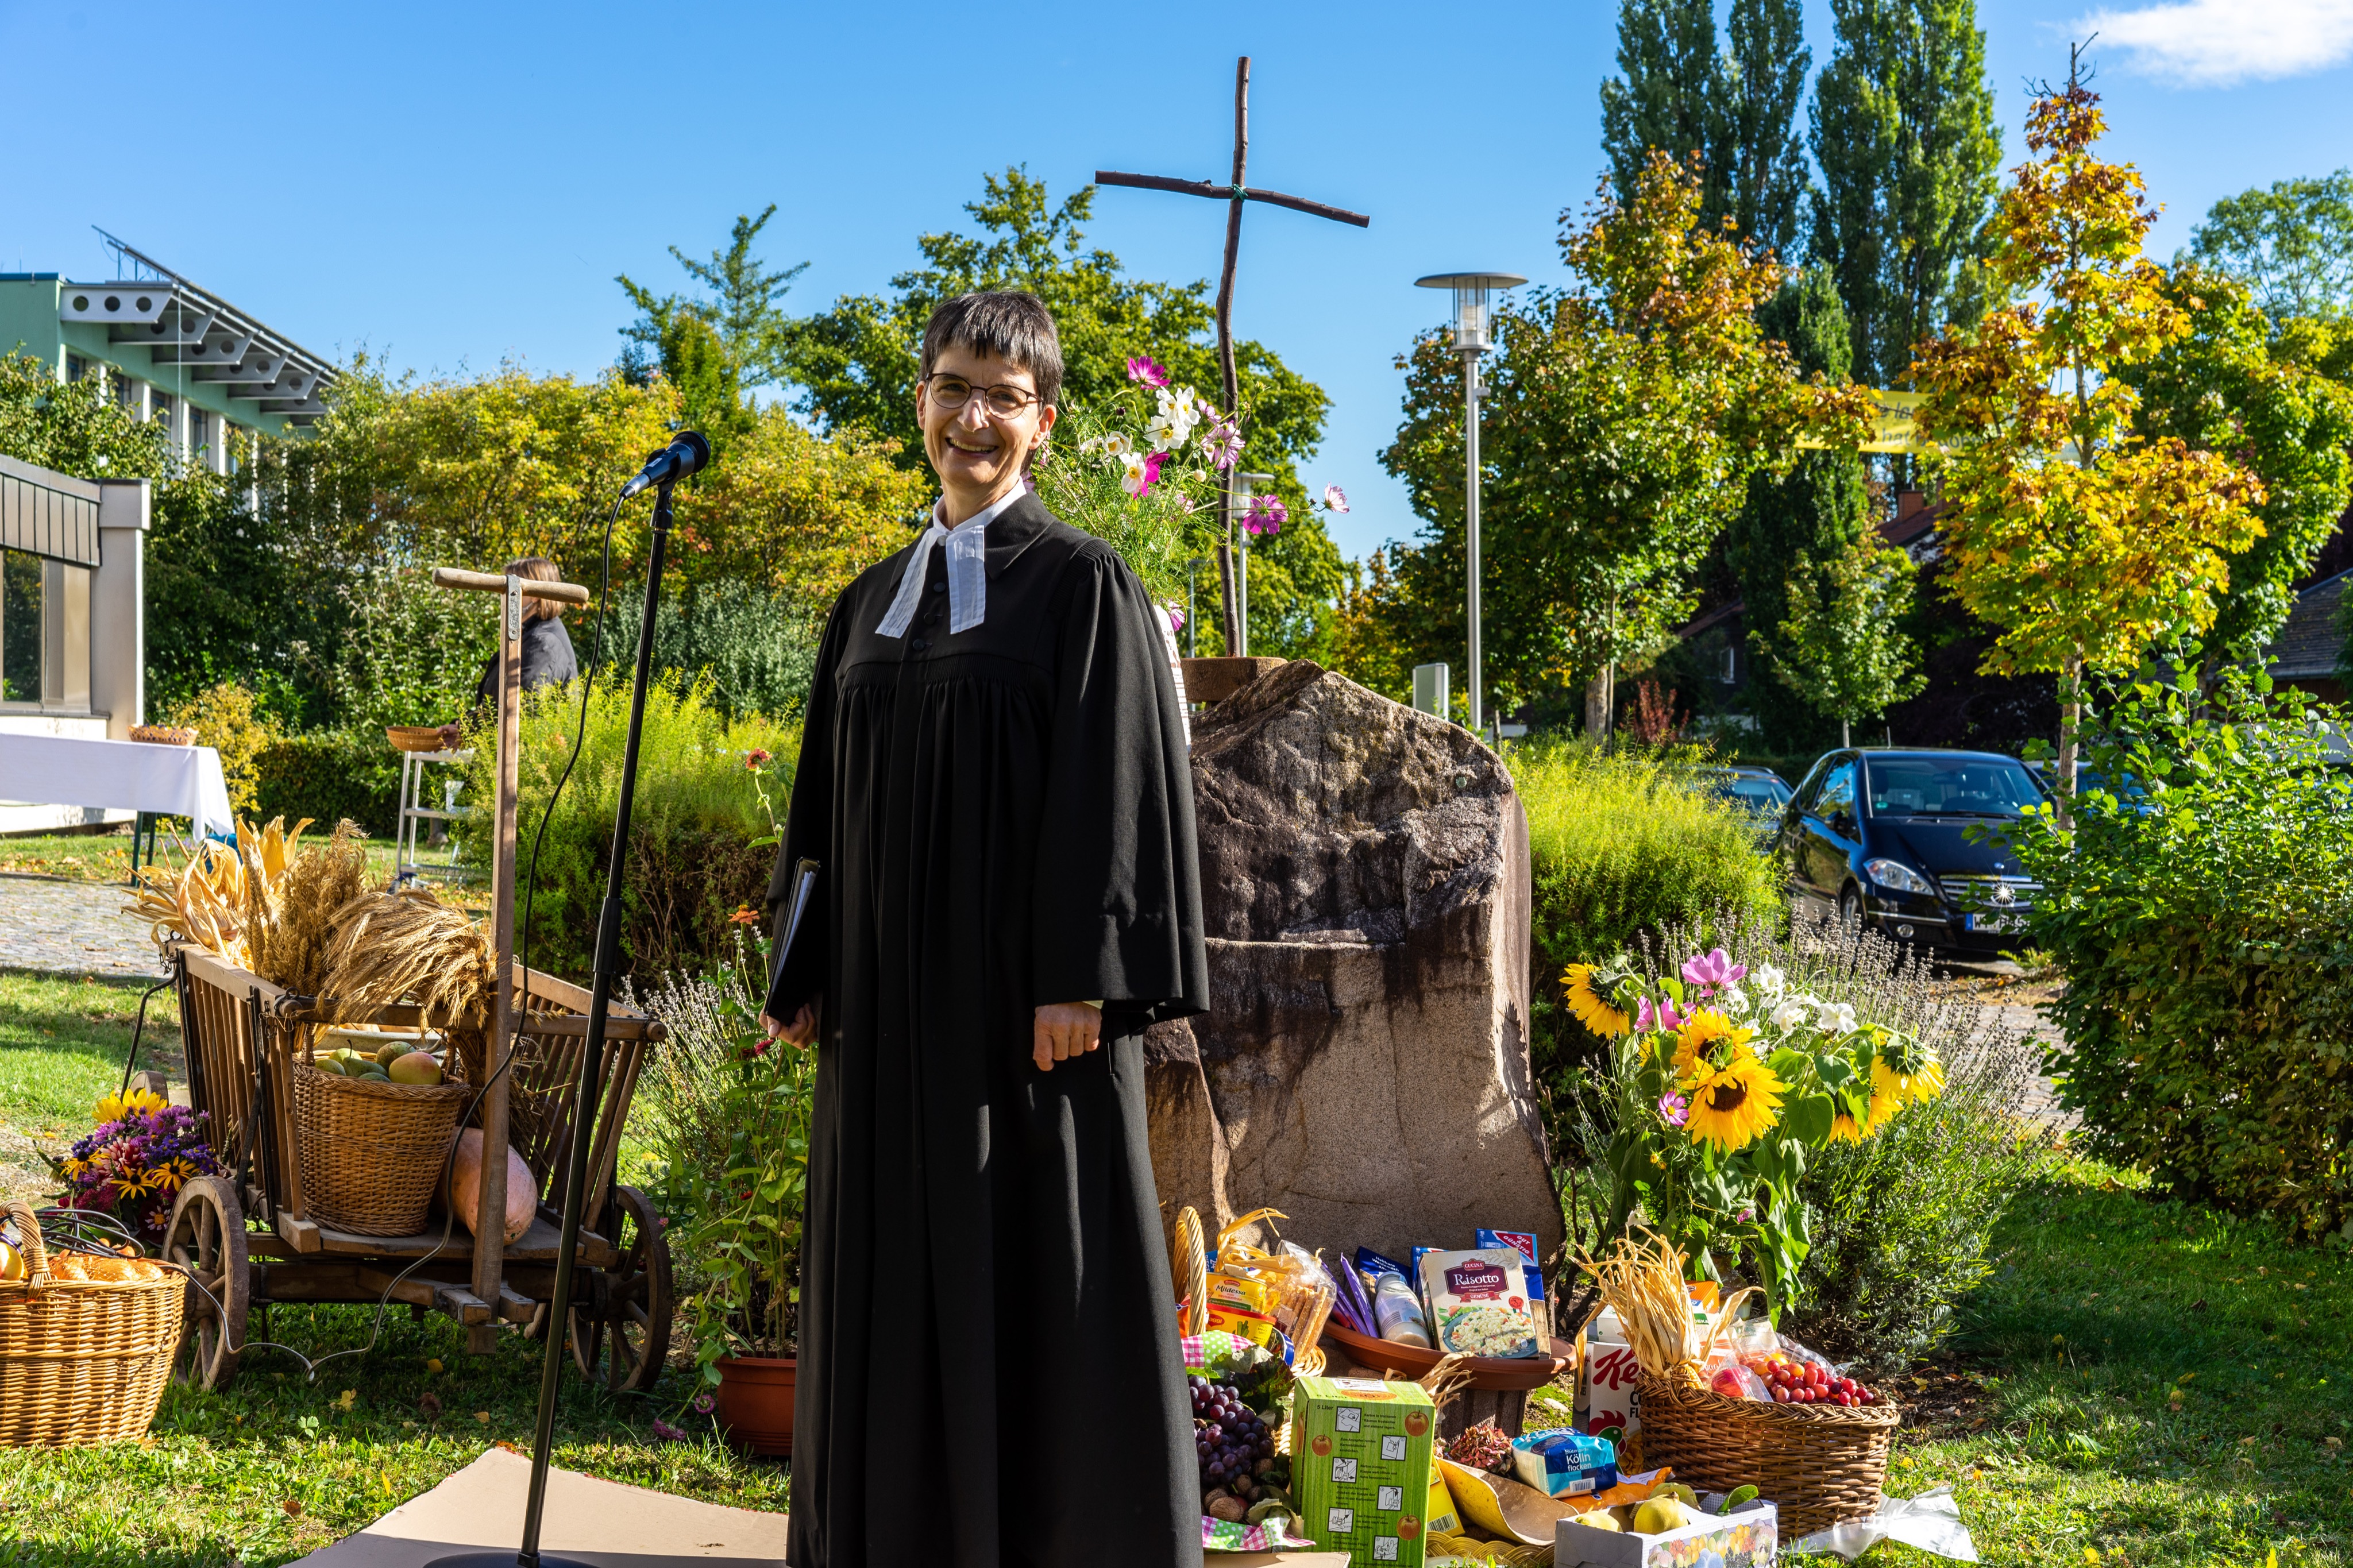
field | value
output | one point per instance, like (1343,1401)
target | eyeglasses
(1004,400)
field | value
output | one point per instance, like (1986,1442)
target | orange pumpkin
(465,1181)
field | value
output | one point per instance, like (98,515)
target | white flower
(1790,1014)
(1834,1018)
(1769,979)
(1091,446)
(1116,444)
(1733,999)
(1166,432)
(1132,480)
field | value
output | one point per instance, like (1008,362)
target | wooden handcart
(250,1240)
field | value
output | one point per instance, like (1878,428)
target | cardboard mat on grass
(603,1523)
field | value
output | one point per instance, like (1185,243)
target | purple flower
(1176,618)
(1674,1108)
(1746,1216)
(1222,444)
(704,1404)
(667,1433)
(1712,972)
(1334,499)
(1267,515)
(1141,368)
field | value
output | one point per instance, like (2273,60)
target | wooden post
(490,1214)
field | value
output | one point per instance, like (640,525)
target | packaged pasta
(1479,1302)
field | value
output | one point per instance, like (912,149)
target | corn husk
(1642,1282)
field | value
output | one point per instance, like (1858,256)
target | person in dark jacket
(547,656)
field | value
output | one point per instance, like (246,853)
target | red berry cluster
(1795,1382)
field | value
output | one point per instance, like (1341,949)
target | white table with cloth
(128,775)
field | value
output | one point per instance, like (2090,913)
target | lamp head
(1472,317)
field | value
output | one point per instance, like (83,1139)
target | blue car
(1884,839)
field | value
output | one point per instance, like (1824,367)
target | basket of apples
(1813,1441)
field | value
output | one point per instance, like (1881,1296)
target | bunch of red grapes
(1795,1382)
(1228,1436)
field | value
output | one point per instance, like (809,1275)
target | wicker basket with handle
(1819,1463)
(85,1345)
(371,1153)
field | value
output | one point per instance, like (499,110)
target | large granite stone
(1365,880)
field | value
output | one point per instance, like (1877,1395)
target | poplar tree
(1734,112)
(1903,128)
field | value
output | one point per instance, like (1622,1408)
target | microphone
(674,462)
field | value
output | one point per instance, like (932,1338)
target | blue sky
(451,187)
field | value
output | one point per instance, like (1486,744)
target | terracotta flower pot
(755,1402)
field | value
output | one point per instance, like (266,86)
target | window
(200,435)
(20,626)
(1837,804)
(1731,672)
(1949,786)
(159,409)
(77,367)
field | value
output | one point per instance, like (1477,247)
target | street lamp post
(1471,340)
(1241,494)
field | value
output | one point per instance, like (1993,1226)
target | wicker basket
(1819,1463)
(83,1361)
(415,737)
(372,1152)
(164,734)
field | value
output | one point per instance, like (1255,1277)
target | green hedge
(1622,850)
(328,775)
(2205,926)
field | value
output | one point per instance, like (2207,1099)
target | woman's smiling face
(977,454)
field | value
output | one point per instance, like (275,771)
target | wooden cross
(1234,194)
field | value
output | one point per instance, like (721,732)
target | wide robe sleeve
(1117,900)
(800,973)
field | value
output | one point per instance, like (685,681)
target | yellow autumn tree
(2080,542)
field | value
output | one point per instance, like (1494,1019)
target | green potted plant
(731,1115)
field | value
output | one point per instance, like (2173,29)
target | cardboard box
(1749,1538)
(1607,1403)
(1360,1467)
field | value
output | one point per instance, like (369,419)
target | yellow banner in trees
(1893,427)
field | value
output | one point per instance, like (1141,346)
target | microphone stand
(584,1102)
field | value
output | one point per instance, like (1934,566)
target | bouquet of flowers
(133,1165)
(1722,1080)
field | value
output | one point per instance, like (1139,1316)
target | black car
(1883,837)
(1757,794)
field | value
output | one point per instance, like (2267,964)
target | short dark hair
(1005,323)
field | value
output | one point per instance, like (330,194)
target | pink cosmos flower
(1674,1108)
(1664,1016)
(1140,368)
(1267,515)
(1176,618)
(1222,444)
(1334,499)
(1712,972)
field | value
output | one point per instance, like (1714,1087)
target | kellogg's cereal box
(1607,1404)
(1360,1467)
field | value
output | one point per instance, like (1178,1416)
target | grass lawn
(2139,1382)
(106,857)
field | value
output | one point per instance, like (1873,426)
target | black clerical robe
(988,1361)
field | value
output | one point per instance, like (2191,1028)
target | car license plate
(1992,922)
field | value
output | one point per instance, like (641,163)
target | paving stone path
(73,927)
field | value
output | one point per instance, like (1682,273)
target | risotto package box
(1479,1301)
(1360,1467)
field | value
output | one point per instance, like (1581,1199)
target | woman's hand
(802,1030)
(1063,1030)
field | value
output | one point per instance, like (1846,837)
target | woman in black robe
(988,1364)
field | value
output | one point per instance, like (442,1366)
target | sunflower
(1591,1009)
(1896,1088)
(1845,1128)
(1731,1105)
(1696,1052)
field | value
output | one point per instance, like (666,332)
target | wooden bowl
(164,734)
(1500,1373)
(415,737)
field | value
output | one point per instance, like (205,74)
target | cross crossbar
(1217,193)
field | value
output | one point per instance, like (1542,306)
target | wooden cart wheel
(626,1322)
(206,1237)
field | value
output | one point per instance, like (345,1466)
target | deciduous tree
(2291,242)
(1841,648)
(2080,537)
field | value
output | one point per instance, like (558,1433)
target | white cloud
(2219,43)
